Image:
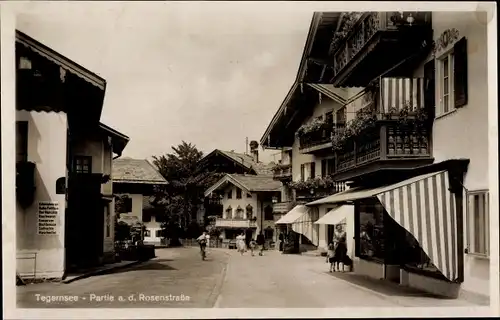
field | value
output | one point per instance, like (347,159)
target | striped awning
(337,215)
(427,210)
(425,207)
(293,215)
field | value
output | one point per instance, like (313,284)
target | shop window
(268,213)
(21,141)
(82,164)
(478,232)
(371,230)
(238,193)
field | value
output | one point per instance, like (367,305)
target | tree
(178,202)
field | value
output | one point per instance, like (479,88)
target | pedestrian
(240,243)
(260,242)
(340,253)
(252,246)
(281,240)
(330,255)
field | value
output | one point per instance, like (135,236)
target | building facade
(247,203)
(134,181)
(63,162)
(409,106)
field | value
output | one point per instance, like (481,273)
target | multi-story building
(247,202)
(405,125)
(64,208)
(219,163)
(134,181)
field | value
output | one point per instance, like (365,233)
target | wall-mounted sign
(48,212)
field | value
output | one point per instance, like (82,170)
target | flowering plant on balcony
(364,120)
(312,183)
(406,117)
(278,167)
(312,126)
(348,22)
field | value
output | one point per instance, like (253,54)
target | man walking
(260,242)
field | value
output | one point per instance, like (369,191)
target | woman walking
(240,243)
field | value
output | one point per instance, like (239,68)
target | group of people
(337,251)
(243,244)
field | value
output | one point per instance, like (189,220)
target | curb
(102,271)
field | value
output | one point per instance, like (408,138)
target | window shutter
(430,85)
(460,72)
(323,168)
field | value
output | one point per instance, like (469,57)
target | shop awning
(335,216)
(425,207)
(293,215)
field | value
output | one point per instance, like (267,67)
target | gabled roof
(60,60)
(118,139)
(128,170)
(249,183)
(321,24)
(244,160)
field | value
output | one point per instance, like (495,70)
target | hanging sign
(48,212)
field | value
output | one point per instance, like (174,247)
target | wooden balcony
(316,141)
(283,172)
(235,223)
(387,145)
(282,207)
(375,43)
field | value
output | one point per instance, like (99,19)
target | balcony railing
(316,138)
(387,142)
(352,44)
(282,172)
(235,223)
(282,207)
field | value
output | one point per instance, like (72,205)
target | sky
(211,74)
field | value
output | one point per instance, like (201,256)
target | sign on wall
(47,217)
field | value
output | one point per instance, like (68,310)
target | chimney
(254,150)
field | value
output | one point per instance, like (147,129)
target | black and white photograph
(249,159)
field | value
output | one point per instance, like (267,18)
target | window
(239,213)
(302,172)
(478,233)
(146,215)
(147,233)
(313,170)
(268,213)
(446,83)
(158,233)
(329,117)
(331,166)
(249,211)
(238,193)
(123,204)
(323,168)
(229,212)
(82,164)
(452,78)
(340,115)
(249,195)
(21,141)
(230,194)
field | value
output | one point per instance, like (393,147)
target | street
(178,278)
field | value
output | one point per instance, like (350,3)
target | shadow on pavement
(147,265)
(383,286)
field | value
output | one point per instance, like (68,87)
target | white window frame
(482,227)
(440,83)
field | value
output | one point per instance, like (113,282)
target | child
(330,254)
(252,244)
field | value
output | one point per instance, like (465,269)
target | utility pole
(246,145)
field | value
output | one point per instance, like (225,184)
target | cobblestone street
(228,280)
(179,272)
